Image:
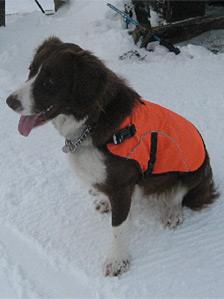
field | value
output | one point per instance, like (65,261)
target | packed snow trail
(52,242)
(30,273)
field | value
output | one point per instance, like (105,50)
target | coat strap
(153,152)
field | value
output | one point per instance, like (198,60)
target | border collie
(87,103)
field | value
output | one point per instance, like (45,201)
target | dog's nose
(13,102)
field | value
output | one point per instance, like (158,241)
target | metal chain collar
(72,144)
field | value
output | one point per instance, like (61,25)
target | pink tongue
(27,123)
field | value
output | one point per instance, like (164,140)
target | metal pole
(40,7)
(2,12)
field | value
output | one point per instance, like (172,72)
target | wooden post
(179,31)
(180,10)
(142,11)
(2,12)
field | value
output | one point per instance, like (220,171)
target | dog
(93,109)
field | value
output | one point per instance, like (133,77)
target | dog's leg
(171,207)
(118,259)
(101,202)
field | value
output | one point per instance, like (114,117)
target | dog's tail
(204,193)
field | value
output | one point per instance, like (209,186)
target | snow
(52,242)
(27,6)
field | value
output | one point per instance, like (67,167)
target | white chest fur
(88,162)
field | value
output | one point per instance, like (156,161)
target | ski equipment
(129,19)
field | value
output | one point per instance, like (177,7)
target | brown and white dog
(87,102)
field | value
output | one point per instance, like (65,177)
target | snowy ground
(52,242)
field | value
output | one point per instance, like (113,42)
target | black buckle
(123,134)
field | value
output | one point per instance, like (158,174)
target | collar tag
(72,144)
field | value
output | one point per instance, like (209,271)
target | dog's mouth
(28,122)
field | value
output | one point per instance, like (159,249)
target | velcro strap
(123,134)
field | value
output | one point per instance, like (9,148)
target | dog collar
(72,144)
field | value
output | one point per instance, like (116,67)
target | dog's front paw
(102,205)
(115,267)
(172,218)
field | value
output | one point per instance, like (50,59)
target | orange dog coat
(163,142)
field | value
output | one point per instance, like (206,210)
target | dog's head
(63,79)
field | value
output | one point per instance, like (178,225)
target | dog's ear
(42,53)
(49,44)
(90,77)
